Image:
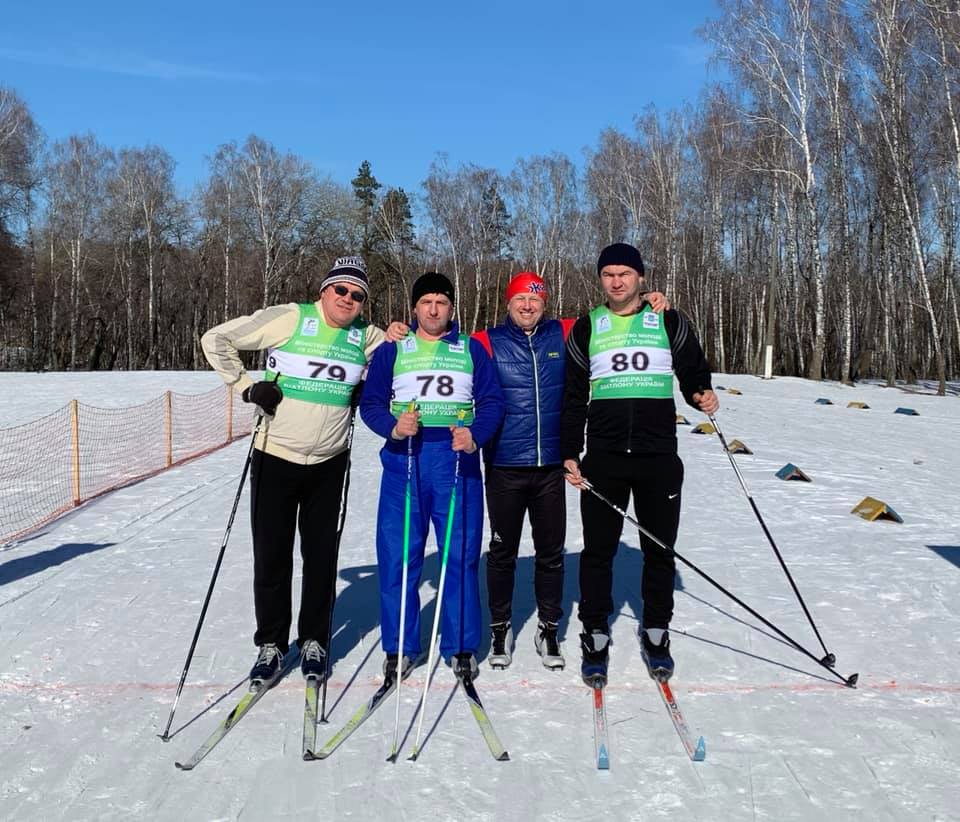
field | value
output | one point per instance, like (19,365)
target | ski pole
(828,658)
(336,557)
(165,736)
(411,406)
(443,575)
(850,681)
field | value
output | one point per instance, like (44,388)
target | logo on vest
(354,336)
(310,327)
(553,355)
(651,320)
(603,324)
(409,344)
(457,347)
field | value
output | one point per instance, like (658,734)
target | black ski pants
(511,494)
(655,482)
(283,496)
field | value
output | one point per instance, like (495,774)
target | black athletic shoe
(267,665)
(657,657)
(501,645)
(548,646)
(390,666)
(464,664)
(595,647)
(313,661)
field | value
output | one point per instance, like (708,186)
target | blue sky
(486,82)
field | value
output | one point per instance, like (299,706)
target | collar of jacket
(450,336)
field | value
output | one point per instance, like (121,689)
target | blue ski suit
(432,480)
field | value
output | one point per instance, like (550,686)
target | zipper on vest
(536,393)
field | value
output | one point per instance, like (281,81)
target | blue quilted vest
(531,371)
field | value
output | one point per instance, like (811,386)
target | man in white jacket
(317,353)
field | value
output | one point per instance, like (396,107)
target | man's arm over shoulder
(375,338)
(576,392)
(689,362)
(267,328)
(483,338)
(488,399)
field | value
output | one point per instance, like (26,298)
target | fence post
(75,449)
(168,425)
(229,412)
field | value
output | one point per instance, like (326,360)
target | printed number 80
(639,361)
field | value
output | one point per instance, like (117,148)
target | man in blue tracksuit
(458,406)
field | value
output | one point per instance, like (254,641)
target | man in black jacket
(621,362)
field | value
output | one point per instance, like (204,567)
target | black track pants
(655,482)
(511,493)
(283,496)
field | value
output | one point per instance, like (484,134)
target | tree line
(810,202)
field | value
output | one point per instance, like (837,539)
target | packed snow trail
(97,609)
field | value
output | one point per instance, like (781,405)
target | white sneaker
(548,646)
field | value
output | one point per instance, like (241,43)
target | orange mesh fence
(55,463)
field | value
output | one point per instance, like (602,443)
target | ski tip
(701,752)
(504,757)
(603,759)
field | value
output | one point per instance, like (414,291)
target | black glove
(266,394)
(357,393)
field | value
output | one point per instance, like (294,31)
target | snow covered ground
(97,611)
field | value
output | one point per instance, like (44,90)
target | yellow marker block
(871,509)
(737,447)
(704,428)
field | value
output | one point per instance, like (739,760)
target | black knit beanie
(620,254)
(431,283)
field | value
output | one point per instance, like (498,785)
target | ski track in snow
(97,610)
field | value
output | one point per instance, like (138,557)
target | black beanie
(620,254)
(431,283)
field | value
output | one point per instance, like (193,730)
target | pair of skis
(601,741)
(361,715)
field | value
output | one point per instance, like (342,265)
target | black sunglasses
(342,291)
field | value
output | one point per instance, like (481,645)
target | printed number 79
(334,372)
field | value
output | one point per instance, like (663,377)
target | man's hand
(397,330)
(266,393)
(408,423)
(707,401)
(462,439)
(658,302)
(571,469)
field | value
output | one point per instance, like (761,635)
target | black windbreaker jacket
(628,426)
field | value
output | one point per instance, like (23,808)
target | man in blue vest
(432,450)
(621,362)
(523,468)
(319,350)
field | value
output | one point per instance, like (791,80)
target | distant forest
(810,203)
